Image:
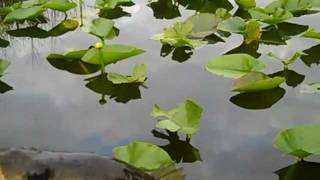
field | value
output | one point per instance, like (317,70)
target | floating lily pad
(60,5)
(256,81)
(143,155)
(301,141)
(270,17)
(71,62)
(185,118)
(24,13)
(178,36)
(102,28)
(235,65)
(110,54)
(138,76)
(246,4)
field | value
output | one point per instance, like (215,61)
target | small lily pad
(102,28)
(145,156)
(185,118)
(256,81)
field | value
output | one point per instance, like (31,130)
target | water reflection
(302,170)
(179,150)
(34,31)
(258,100)
(122,93)
(165,9)
(293,79)
(251,49)
(311,55)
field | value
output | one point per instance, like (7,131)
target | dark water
(52,109)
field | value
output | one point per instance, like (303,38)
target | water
(52,109)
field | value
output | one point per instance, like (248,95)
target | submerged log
(22,164)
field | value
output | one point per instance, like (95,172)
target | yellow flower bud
(98,45)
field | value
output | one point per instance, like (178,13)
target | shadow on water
(121,93)
(258,100)
(302,170)
(179,150)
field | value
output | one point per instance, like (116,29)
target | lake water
(54,110)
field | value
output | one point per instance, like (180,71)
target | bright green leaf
(278,16)
(102,28)
(300,141)
(234,65)
(145,156)
(60,5)
(312,33)
(185,118)
(256,81)
(4,64)
(246,4)
(111,54)
(233,25)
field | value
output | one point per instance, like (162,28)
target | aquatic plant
(184,118)
(32,9)
(300,141)
(145,156)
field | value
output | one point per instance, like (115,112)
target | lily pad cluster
(150,157)
(34,9)
(100,55)
(250,80)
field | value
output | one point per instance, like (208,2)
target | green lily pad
(4,64)
(256,81)
(185,118)
(138,76)
(312,33)
(60,5)
(233,25)
(24,13)
(145,156)
(102,28)
(111,54)
(273,17)
(234,65)
(71,62)
(178,36)
(300,141)
(246,4)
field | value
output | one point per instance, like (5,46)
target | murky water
(54,110)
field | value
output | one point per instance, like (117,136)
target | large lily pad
(185,118)
(71,62)
(300,141)
(24,13)
(143,155)
(256,81)
(235,65)
(60,5)
(111,54)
